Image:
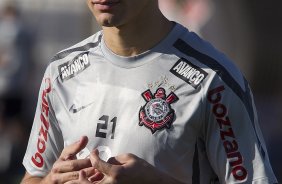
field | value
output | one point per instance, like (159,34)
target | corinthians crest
(157,113)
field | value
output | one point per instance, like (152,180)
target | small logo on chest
(157,113)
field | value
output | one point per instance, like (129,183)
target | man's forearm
(32,181)
(28,179)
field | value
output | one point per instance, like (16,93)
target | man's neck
(138,36)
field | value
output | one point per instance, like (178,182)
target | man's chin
(107,22)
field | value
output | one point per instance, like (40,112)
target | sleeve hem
(31,170)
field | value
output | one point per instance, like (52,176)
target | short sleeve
(235,146)
(45,142)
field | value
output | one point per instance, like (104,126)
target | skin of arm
(28,179)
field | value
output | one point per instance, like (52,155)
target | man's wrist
(45,180)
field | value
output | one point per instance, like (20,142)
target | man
(144,101)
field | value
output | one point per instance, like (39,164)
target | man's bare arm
(28,179)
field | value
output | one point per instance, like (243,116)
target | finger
(70,151)
(114,161)
(105,180)
(75,175)
(67,177)
(71,165)
(73,182)
(91,171)
(82,179)
(82,175)
(121,159)
(99,164)
(96,177)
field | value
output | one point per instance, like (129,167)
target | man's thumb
(99,164)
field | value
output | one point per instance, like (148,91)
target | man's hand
(127,169)
(81,180)
(67,167)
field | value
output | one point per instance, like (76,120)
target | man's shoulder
(80,47)
(74,59)
(203,54)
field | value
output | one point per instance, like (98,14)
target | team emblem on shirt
(157,113)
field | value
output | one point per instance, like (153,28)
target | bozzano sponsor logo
(37,158)
(227,135)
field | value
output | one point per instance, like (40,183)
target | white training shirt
(182,106)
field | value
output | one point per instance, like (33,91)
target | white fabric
(104,101)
